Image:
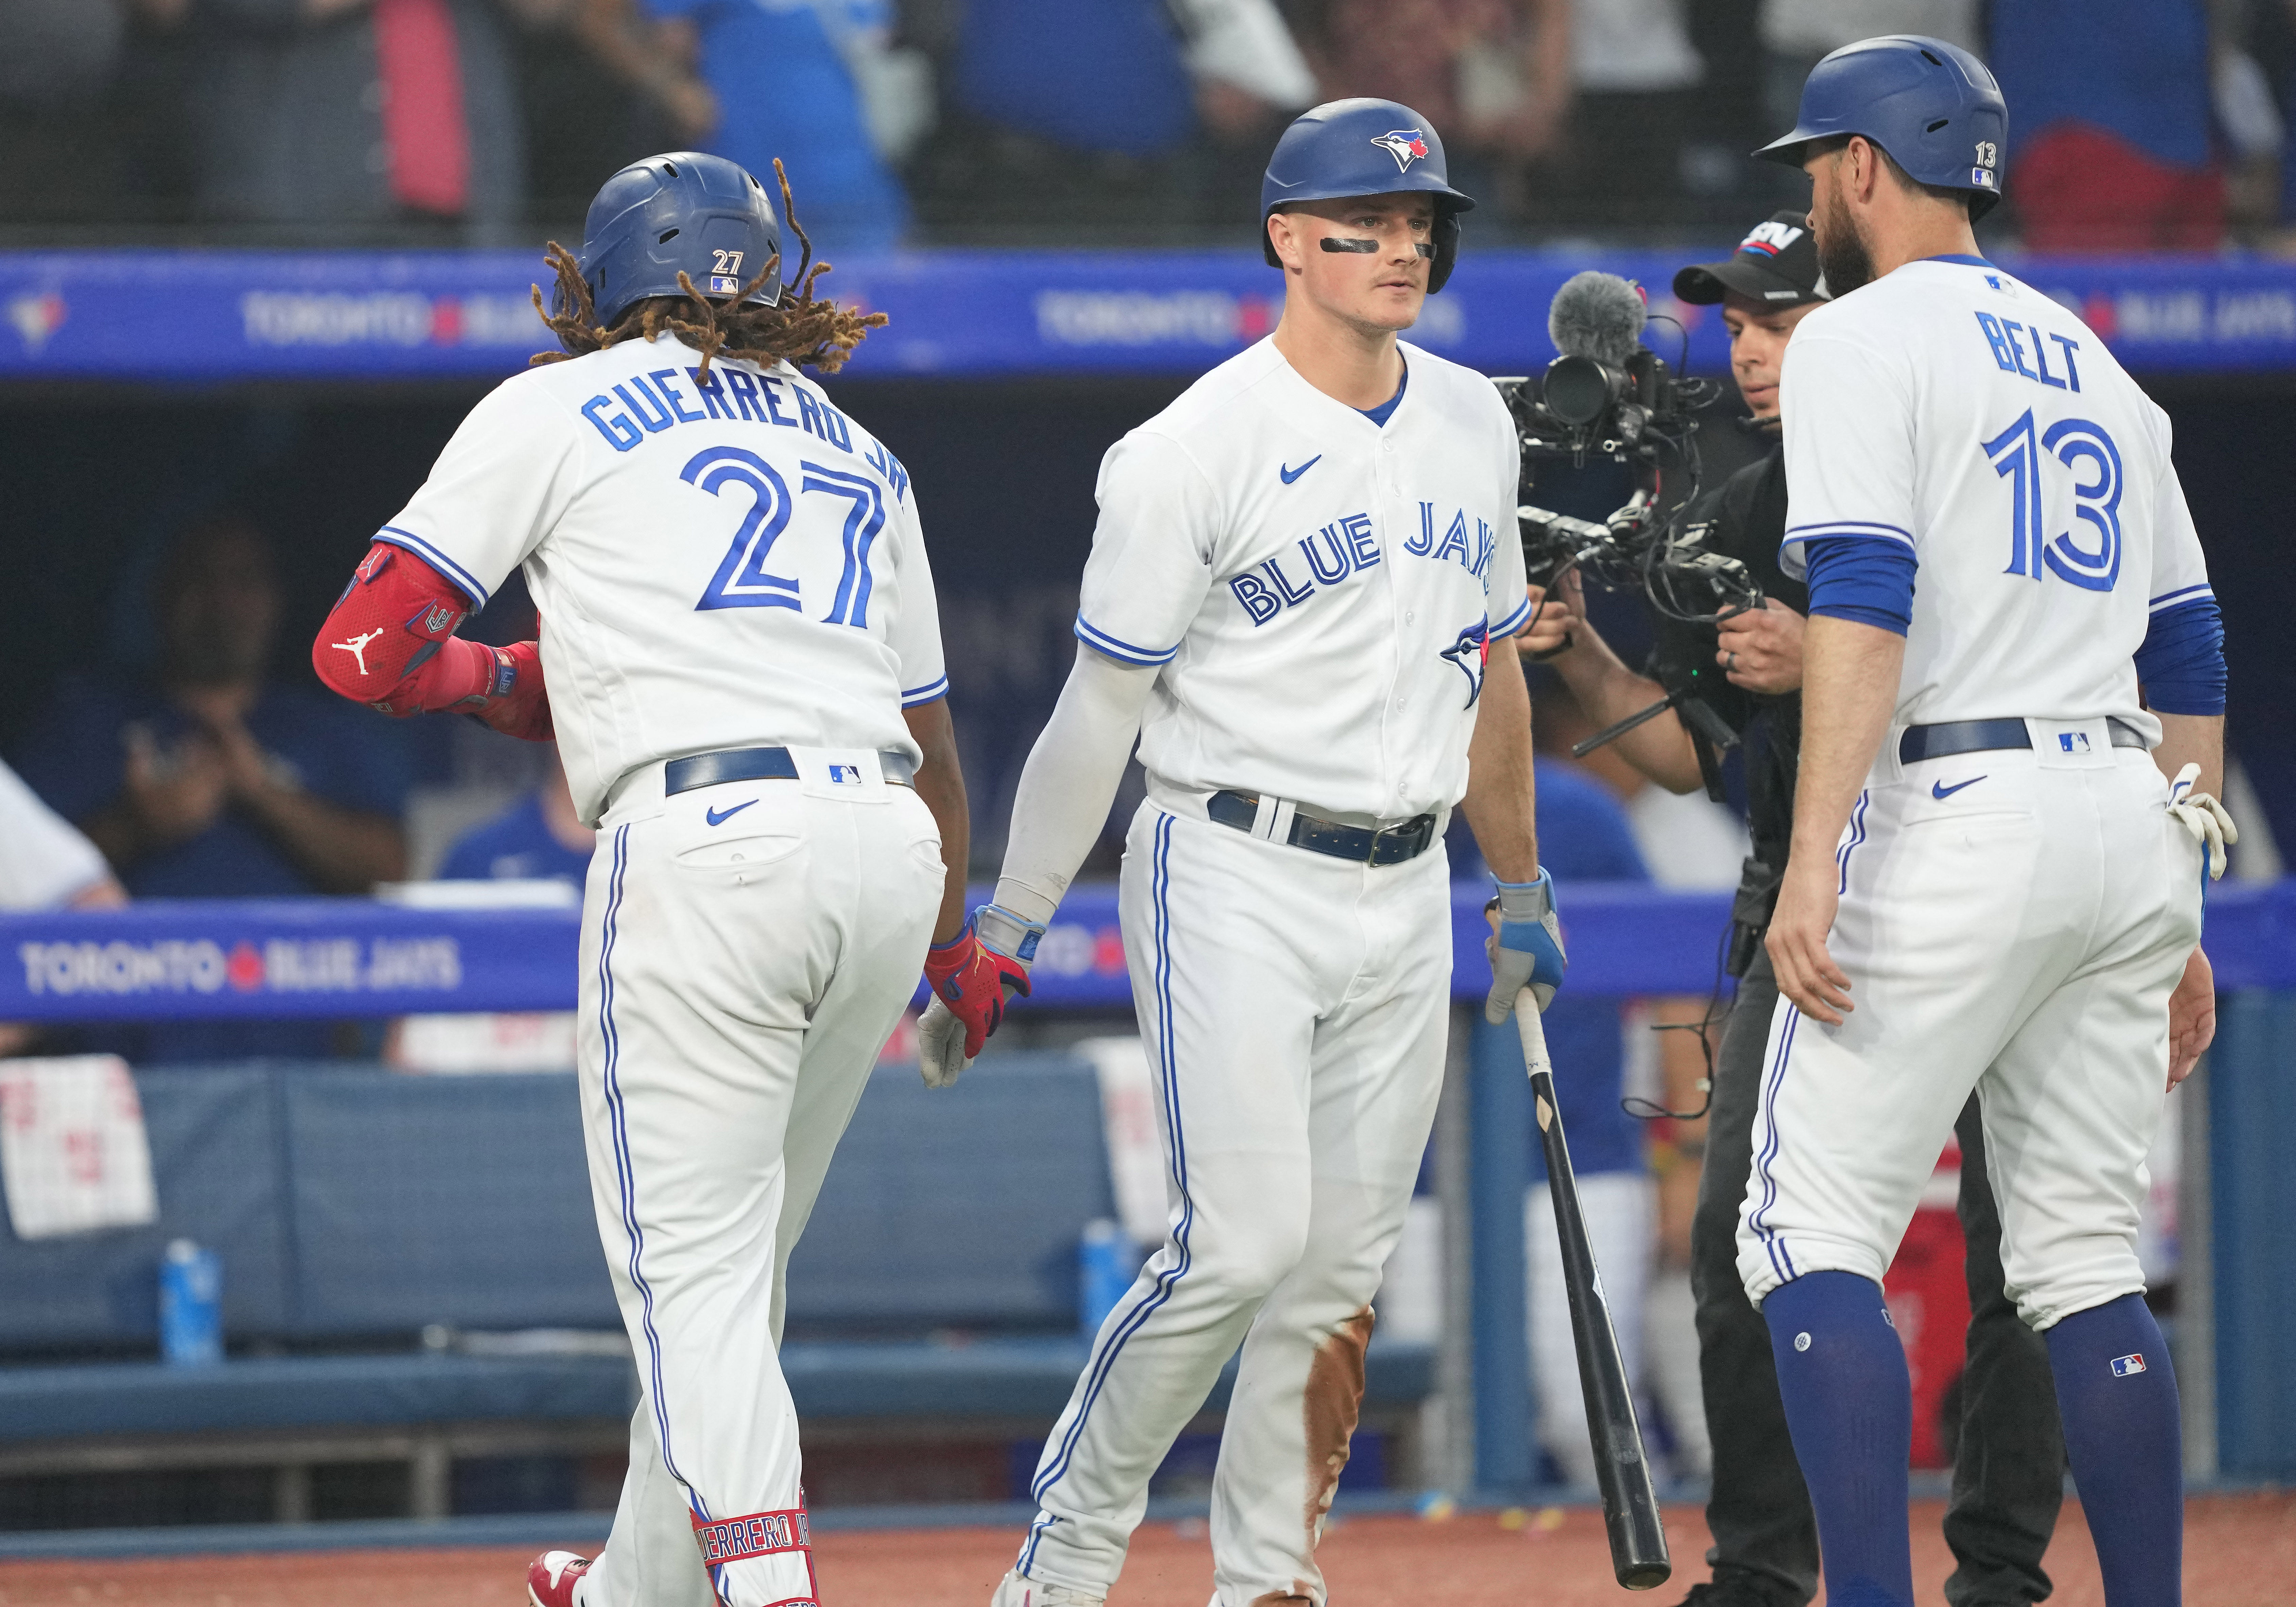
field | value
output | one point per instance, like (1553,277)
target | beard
(1842,258)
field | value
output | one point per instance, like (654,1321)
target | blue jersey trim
(926,694)
(2181,595)
(1117,648)
(1848,526)
(437,560)
(1512,623)
(1386,410)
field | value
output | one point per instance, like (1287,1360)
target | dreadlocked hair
(797,328)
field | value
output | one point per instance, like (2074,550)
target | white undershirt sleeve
(1071,780)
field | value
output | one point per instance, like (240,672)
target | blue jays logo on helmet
(1407,145)
(1340,149)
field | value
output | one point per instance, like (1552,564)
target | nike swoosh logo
(1941,790)
(718,817)
(1292,474)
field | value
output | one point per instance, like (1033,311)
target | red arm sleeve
(390,643)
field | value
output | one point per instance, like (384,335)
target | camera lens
(1579,389)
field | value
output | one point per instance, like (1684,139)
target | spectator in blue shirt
(537,839)
(750,80)
(2111,135)
(208,781)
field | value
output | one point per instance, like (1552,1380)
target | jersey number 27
(2016,454)
(741,580)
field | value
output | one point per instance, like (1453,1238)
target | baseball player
(744,675)
(1991,883)
(1297,570)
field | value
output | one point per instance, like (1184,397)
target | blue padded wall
(457,1199)
(958,1205)
(217,1170)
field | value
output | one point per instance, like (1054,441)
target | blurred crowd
(2134,124)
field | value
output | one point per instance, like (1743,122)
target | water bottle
(1105,1263)
(191,1305)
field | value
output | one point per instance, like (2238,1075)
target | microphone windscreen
(1597,316)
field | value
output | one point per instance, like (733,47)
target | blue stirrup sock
(1849,1404)
(2117,1393)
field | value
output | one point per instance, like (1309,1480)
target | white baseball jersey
(44,862)
(1319,588)
(719,562)
(2020,464)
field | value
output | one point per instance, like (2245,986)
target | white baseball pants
(1293,1007)
(738,979)
(2012,920)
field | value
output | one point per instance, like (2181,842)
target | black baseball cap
(1776,265)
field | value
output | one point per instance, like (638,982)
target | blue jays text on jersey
(1349,546)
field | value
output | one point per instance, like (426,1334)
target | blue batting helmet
(1363,147)
(1932,106)
(686,212)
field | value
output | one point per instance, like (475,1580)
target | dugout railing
(350,1149)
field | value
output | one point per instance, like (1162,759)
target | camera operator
(2008,1476)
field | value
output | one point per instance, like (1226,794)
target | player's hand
(1525,945)
(1554,611)
(514,702)
(1807,899)
(1760,649)
(2192,1017)
(175,795)
(2204,817)
(971,976)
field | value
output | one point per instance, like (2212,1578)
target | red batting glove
(513,701)
(972,980)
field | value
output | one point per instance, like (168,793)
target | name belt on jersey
(758,1535)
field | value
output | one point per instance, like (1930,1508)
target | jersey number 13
(2085,448)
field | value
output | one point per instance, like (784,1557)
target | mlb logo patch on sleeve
(2124,1366)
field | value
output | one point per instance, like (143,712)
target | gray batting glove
(940,1046)
(1525,945)
(2204,817)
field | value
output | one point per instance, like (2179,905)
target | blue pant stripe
(1168,1071)
(1777,1080)
(625,1172)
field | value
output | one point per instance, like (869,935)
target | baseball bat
(1638,1554)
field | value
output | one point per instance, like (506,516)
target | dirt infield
(2240,1552)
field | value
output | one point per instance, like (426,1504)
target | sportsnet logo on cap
(1407,145)
(2125,1367)
(1769,238)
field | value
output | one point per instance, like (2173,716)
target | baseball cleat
(551,1578)
(1017,1589)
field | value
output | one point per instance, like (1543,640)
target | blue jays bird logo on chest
(1468,655)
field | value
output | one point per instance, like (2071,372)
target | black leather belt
(1390,845)
(1979,736)
(758,764)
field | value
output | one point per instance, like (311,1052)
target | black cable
(1650,1111)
